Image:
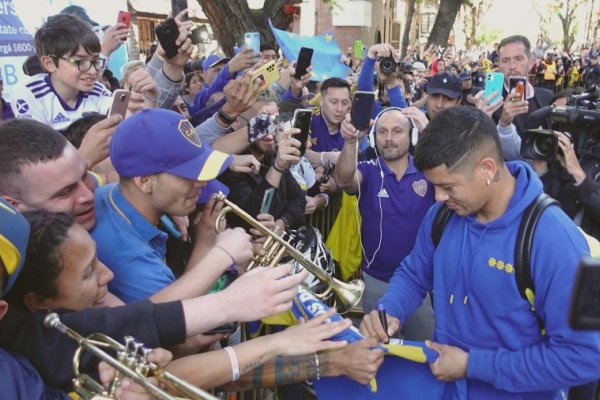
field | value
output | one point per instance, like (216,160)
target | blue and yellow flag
(326,57)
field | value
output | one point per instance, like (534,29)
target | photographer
(380,59)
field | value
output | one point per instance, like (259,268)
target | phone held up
(167,33)
(303,62)
(120,102)
(494,82)
(518,84)
(264,76)
(124,18)
(252,41)
(302,119)
(362,107)
(265,207)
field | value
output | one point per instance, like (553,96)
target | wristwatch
(227,120)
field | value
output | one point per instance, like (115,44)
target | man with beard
(393,198)
(248,190)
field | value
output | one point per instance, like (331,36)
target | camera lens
(544,146)
(123,98)
(387,65)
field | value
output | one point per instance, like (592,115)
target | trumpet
(131,362)
(346,295)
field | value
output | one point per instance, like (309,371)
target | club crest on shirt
(189,133)
(420,187)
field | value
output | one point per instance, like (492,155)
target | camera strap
(522,261)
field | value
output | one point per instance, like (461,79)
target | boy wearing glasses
(69,51)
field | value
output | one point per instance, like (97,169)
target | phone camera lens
(123,98)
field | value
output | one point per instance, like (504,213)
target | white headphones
(414,132)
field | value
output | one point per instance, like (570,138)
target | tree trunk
(410,13)
(232,18)
(444,21)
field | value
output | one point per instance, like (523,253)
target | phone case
(494,81)
(304,59)
(124,18)
(167,33)
(302,120)
(265,207)
(518,84)
(362,107)
(119,103)
(265,76)
(252,41)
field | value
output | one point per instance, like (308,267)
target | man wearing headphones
(393,198)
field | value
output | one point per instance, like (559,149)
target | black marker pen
(383,319)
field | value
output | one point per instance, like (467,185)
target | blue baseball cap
(159,140)
(14,235)
(445,83)
(213,60)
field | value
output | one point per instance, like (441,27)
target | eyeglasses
(86,64)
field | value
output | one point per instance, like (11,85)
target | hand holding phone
(265,207)
(302,120)
(252,41)
(124,17)
(303,62)
(120,102)
(264,76)
(362,107)
(167,33)
(494,82)
(518,84)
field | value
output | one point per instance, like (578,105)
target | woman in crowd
(62,271)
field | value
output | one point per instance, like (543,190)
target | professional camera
(581,113)
(541,144)
(387,65)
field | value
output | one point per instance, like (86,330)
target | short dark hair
(516,39)
(62,35)
(43,263)
(453,136)
(264,47)
(78,129)
(25,142)
(334,83)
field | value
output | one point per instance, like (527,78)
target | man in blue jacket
(489,342)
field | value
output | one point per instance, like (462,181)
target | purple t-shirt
(321,139)
(404,203)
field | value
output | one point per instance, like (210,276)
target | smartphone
(170,226)
(252,41)
(362,107)
(301,120)
(124,17)
(120,101)
(494,81)
(303,62)
(264,76)
(265,207)
(226,328)
(358,47)
(518,84)
(167,33)
(585,298)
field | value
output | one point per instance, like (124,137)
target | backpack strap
(523,250)
(442,216)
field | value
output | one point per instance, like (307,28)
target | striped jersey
(36,99)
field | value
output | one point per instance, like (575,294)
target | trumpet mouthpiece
(52,320)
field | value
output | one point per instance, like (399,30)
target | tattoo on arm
(281,371)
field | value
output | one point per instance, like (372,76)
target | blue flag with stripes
(326,57)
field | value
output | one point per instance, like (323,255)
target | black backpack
(522,245)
